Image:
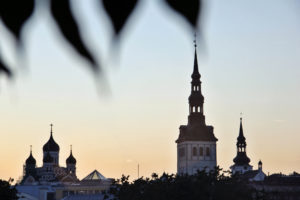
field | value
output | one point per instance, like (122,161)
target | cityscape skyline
(250,69)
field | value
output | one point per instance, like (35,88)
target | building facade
(196,144)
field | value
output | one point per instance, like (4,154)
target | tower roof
(30,160)
(71,159)
(94,176)
(51,145)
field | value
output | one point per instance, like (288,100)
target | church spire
(241,158)
(195,74)
(241,140)
(196,99)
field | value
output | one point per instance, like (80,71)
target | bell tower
(196,144)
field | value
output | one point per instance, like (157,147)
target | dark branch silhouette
(15,13)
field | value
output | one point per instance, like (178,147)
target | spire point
(195,41)
(71,148)
(51,129)
(30,149)
(195,74)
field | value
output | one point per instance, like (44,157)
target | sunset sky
(249,62)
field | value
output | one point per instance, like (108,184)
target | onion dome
(30,160)
(48,158)
(71,159)
(51,145)
(241,159)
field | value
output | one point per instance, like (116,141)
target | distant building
(196,144)
(255,175)
(53,182)
(279,186)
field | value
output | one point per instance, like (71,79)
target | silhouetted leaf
(62,14)
(14,14)
(5,69)
(119,11)
(189,9)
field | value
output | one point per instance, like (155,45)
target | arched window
(201,151)
(207,151)
(194,151)
(198,108)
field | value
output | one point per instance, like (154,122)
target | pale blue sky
(250,65)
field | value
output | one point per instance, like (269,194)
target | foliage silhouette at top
(6,192)
(201,186)
(15,13)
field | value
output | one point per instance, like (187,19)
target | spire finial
(241,116)
(30,149)
(51,125)
(71,148)
(195,40)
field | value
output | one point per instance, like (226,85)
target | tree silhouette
(6,191)
(15,13)
(215,185)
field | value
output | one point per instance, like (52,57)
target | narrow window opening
(207,151)
(194,151)
(201,151)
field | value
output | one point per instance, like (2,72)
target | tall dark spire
(241,140)
(196,99)
(196,128)
(241,157)
(195,74)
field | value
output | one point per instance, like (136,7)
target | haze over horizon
(249,63)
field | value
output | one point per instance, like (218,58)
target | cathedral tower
(241,161)
(196,144)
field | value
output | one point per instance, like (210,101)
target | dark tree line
(7,192)
(216,185)
(15,13)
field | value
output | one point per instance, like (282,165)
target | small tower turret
(241,161)
(71,163)
(30,167)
